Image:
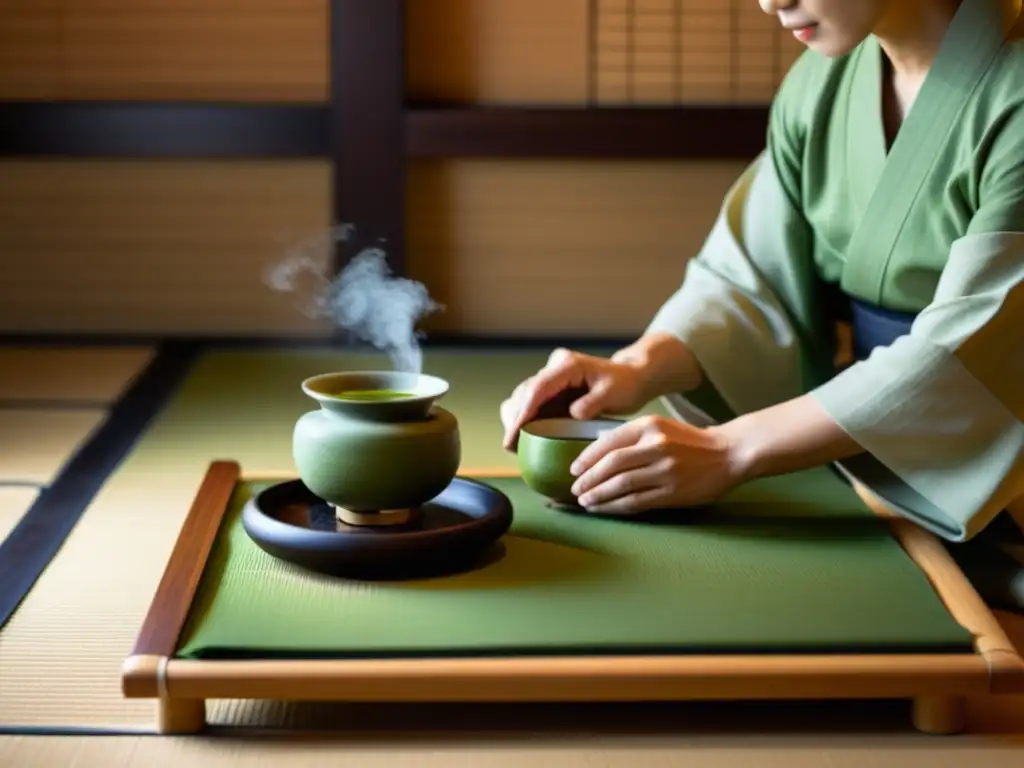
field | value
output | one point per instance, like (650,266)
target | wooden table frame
(937,683)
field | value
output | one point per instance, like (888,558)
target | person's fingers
(589,405)
(613,465)
(559,356)
(559,406)
(545,385)
(633,503)
(621,437)
(509,410)
(508,413)
(510,406)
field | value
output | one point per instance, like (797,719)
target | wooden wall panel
(495,51)
(645,51)
(510,247)
(232,50)
(151,247)
(30,62)
(557,247)
(483,50)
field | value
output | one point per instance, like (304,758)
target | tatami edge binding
(43,529)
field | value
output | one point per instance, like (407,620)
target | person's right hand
(607,387)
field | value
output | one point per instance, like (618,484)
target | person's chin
(830,46)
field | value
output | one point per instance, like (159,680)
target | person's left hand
(654,462)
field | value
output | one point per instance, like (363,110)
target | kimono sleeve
(746,306)
(941,410)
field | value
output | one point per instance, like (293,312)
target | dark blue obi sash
(876,327)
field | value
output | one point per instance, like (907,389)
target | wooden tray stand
(938,684)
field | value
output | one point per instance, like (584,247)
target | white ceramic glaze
(571,429)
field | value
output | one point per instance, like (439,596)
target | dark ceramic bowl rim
(438,387)
(304,537)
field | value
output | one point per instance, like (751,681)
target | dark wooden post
(367,128)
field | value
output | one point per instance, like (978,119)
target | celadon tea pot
(378,442)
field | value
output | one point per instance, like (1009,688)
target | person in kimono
(889,199)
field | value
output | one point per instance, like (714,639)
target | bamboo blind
(678,51)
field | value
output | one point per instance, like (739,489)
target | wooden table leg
(940,714)
(181,715)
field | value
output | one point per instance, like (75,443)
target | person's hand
(608,387)
(652,463)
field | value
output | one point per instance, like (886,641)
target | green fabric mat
(768,574)
(790,564)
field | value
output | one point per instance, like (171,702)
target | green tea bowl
(548,447)
(378,442)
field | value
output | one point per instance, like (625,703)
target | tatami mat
(35,443)
(484,751)
(97,375)
(14,503)
(61,653)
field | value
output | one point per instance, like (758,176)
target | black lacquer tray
(457,530)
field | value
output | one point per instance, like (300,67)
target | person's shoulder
(992,141)
(1003,83)
(996,112)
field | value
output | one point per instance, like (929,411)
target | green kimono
(933,225)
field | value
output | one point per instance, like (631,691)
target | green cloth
(788,564)
(933,224)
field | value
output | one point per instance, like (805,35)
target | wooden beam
(689,132)
(163,130)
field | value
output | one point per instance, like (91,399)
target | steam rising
(365,299)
